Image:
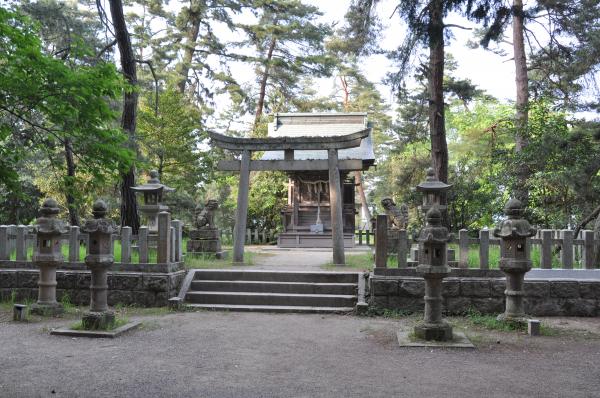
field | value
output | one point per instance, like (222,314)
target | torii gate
(289,144)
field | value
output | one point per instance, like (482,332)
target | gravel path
(211,354)
(272,258)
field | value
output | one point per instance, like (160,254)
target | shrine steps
(271,291)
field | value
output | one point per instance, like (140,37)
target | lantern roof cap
(153,184)
(49,208)
(434,231)
(431,183)
(515,225)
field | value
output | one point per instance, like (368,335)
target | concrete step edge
(217,293)
(272,308)
(324,284)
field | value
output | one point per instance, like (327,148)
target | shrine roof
(322,125)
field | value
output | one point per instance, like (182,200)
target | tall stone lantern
(153,196)
(514,258)
(99,259)
(432,189)
(47,256)
(433,266)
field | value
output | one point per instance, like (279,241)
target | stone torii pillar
(241,211)
(335,204)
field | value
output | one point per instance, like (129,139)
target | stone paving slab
(111,334)
(459,340)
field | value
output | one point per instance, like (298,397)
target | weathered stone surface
(579,307)
(161,299)
(451,287)
(84,280)
(155,283)
(497,287)
(66,280)
(413,288)
(124,281)
(490,305)
(475,287)
(201,234)
(543,307)
(8,279)
(28,279)
(589,290)
(203,246)
(383,287)
(457,305)
(409,304)
(379,301)
(537,289)
(564,289)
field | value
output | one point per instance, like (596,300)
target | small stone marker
(533,327)
(19,312)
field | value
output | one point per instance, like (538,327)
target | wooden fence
(253,236)
(555,249)
(19,239)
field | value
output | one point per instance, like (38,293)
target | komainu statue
(204,218)
(398,217)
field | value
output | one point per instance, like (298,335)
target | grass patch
(114,325)
(491,323)
(208,261)
(363,261)
(386,313)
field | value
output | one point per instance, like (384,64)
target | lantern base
(441,331)
(98,320)
(47,309)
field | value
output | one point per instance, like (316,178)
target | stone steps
(271,291)
(274,287)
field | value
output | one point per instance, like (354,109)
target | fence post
(74,244)
(484,249)
(402,248)
(381,241)
(125,245)
(163,243)
(21,243)
(368,237)
(4,247)
(248,236)
(566,252)
(588,249)
(463,248)
(174,240)
(546,249)
(143,244)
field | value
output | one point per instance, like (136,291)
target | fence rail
(553,249)
(143,248)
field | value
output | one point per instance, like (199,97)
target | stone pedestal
(433,326)
(48,256)
(99,260)
(514,259)
(515,275)
(47,304)
(205,241)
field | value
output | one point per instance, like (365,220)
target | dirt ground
(220,354)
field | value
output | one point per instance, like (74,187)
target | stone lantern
(47,256)
(433,266)
(153,196)
(514,258)
(99,260)
(432,190)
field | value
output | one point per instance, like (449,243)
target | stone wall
(486,295)
(144,289)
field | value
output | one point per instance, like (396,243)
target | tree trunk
(190,48)
(522,105)
(366,215)
(437,130)
(129,215)
(71,206)
(263,83)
